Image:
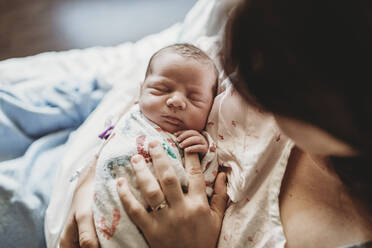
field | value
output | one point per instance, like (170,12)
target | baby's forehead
(200,60)
(195,58)
(203,63)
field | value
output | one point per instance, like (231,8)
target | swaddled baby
(175,100)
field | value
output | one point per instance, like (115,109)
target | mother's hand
(79,230)
(188,220)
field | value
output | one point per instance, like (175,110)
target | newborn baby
(175,100)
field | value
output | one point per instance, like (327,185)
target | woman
(306,62)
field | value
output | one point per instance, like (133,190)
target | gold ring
(160,206)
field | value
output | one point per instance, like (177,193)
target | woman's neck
(325,184)
(331,186)
(312,195)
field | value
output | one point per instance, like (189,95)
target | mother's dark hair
(310,60)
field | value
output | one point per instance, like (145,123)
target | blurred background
(28,27)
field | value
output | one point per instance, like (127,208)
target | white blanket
(248,141)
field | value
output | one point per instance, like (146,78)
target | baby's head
(179,88)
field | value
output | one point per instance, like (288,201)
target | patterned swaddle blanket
(131,136)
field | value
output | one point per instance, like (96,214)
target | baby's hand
(192,141)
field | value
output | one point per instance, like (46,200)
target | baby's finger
(196,149)
(193,140)
(178,133)
(146,181)
(186,134)
(136,212)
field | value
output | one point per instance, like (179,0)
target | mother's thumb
(219,197)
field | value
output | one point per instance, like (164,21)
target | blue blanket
(35,123)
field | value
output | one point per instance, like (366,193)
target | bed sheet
(35,122)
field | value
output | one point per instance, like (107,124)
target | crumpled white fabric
(248,142)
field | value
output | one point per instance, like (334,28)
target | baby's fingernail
(136,158)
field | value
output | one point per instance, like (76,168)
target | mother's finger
(195,175)
(219,197)
(146,181)
(136,212)
(185,134)
(87,232)
(69,237)
(165,174)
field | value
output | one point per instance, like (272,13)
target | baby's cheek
(147,104)
(146,109)
(197,121)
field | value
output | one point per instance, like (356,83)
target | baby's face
(178,92)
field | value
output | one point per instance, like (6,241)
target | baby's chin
(171,128)
(174,129)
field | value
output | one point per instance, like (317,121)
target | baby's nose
(176,102)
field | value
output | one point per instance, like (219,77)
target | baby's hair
(185,50)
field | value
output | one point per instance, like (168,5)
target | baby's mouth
(172,120)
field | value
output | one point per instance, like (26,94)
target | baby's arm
(192,141)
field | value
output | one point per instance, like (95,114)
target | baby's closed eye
(161,88)
(194,96)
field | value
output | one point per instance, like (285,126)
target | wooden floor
(28,27)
